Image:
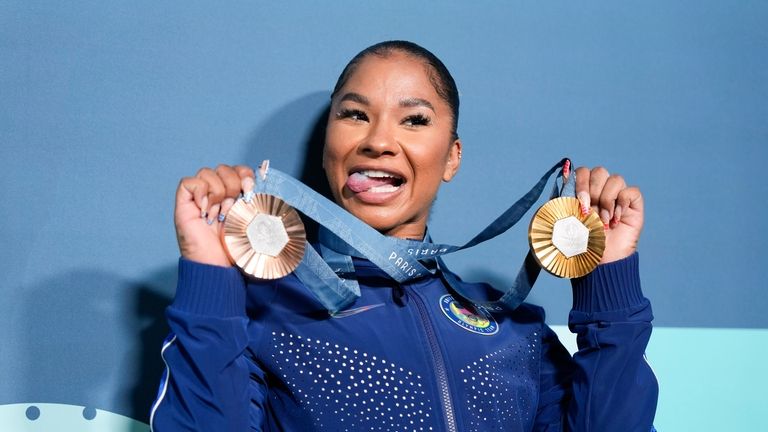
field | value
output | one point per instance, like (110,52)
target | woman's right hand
(202,202)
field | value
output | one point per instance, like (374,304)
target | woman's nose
(380,141)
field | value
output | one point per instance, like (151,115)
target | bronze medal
(264,237)
(563,241)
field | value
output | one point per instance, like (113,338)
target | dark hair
(439,75)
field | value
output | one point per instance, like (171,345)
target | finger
(608,195)
(244,171)
(225,206)
(216,188)
(246,181)
(597,178)
(247,184)
(582,189)
(231,180)
(630,198)
(213,214)
(194,189)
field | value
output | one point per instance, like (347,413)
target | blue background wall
(104,106)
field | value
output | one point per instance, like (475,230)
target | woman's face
(389,144)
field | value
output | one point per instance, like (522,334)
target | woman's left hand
(620,208)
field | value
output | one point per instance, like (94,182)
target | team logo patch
(475,318)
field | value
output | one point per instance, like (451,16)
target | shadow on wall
(292,138)
(93,339)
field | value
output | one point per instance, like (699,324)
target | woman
(263,355)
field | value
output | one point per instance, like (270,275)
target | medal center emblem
(267,235)
(570,236)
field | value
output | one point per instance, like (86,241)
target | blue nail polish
(209,221)
(221,217)
(248,197)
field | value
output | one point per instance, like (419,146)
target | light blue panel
(709,379)
(47,417)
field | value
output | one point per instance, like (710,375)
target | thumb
(191,195)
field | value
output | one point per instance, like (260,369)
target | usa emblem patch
(474,318)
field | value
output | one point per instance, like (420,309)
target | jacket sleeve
(608,384)
(208,384)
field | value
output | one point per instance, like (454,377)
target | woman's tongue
(358,182)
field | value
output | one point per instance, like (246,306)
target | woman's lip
(376,198)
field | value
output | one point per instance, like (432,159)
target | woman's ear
(453,162)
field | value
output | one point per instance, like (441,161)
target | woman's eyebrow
(416,102)
(405,103)
(355,97)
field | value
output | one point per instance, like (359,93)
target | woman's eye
(416,120)
(352,114)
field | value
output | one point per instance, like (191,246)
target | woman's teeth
(384,189)
(374,181)
(377,174)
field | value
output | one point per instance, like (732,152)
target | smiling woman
(390,142)
(250,354)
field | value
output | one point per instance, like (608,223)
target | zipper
(440,371)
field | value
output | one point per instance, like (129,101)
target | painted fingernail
(214,214)
(606,226)
(226,205)
(247,185)
(585,204)
(617,214)
(204,207)
(605,216)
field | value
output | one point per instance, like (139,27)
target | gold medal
(564,242)
(264,237)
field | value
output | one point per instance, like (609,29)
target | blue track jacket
(249,354)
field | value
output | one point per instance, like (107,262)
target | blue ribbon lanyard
(331,276)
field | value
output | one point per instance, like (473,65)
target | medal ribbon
(331,276)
